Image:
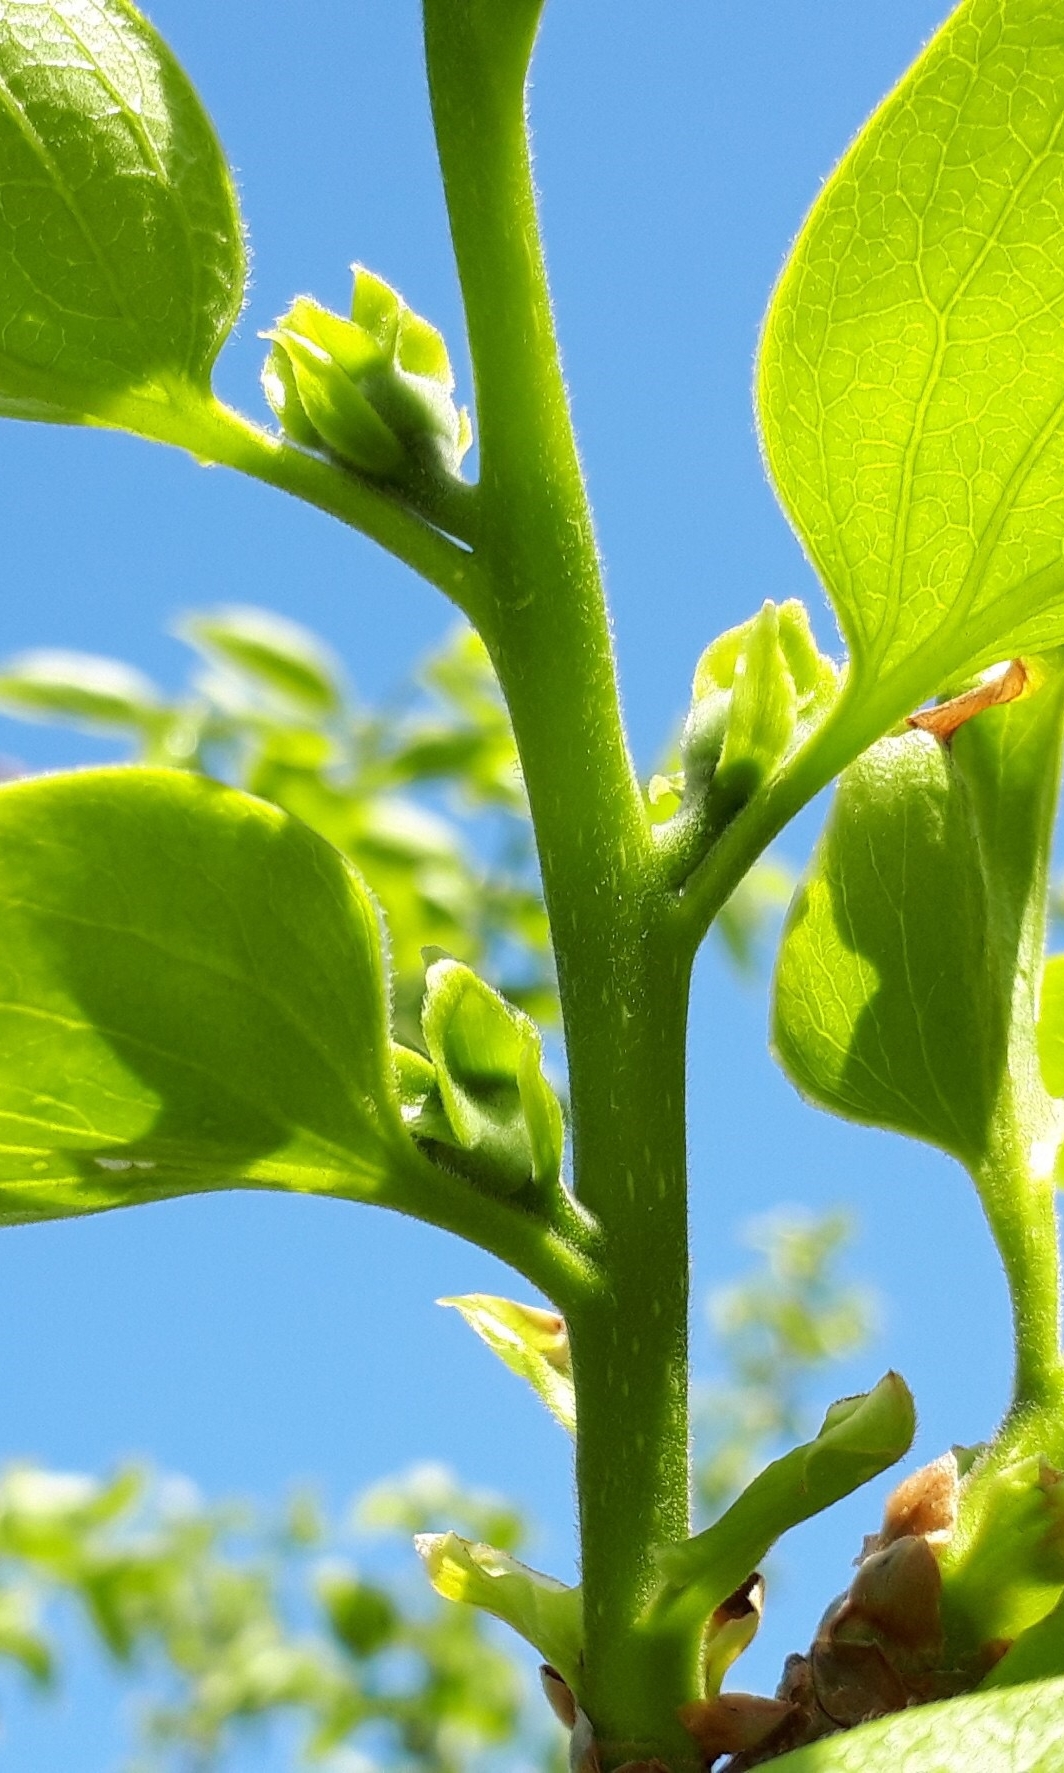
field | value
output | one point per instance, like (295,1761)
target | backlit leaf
(47,684)
(191,996)
(859,1437)
(533,1343)
(121,259)
(276,654)
(911,383)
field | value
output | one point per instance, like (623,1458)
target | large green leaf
(911,383)
(191,996)
(905,987)
(1017,1731)
(121,258)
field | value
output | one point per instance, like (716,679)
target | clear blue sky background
(248,1341)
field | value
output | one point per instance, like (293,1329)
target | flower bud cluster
(481,1099)
(375,391)
(757,691)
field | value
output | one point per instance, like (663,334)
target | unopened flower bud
(374,390)
(757,690)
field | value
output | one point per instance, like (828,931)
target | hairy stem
(622,975)
(213,433)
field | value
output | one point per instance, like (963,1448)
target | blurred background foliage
(223,1618)
(423,794)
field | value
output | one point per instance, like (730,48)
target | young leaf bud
(533,1343)
(1006,1571)
(543,1611)
(502,1112)
(374,390)
(757,689)
(897,1593)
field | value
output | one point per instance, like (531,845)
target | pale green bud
(487,1055)
(757,690)
(545,1612)
(533,1343)
(375,390)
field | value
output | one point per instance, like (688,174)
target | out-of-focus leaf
(278,655)
(192,997)
(20,1636)
(427,1497)
(49,685)
(776,1329)
(758,900)
(120,243)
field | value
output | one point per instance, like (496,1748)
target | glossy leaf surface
(911,384)
(1018,1731)
(191,996)
(121,259)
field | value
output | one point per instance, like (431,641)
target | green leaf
(1014,1732)
(860,1437)
(1051,1025)
(758,689)
(278,655)
(888,1011)
(533,1343)
(20,1636)
(191,996)
(94,692)
(121,258)
(911,382)
(488,1059)
(543,1611)
(871,992)
(1037,1654)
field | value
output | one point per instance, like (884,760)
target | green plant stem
(1021,1210)
(622,973)
(214,434)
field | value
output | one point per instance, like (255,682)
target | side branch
(215,434)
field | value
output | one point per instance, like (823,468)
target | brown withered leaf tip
(748,1598)
(559,1695)
(942,722)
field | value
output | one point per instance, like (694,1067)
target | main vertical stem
(621,960)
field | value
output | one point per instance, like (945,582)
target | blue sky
(248,1341)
